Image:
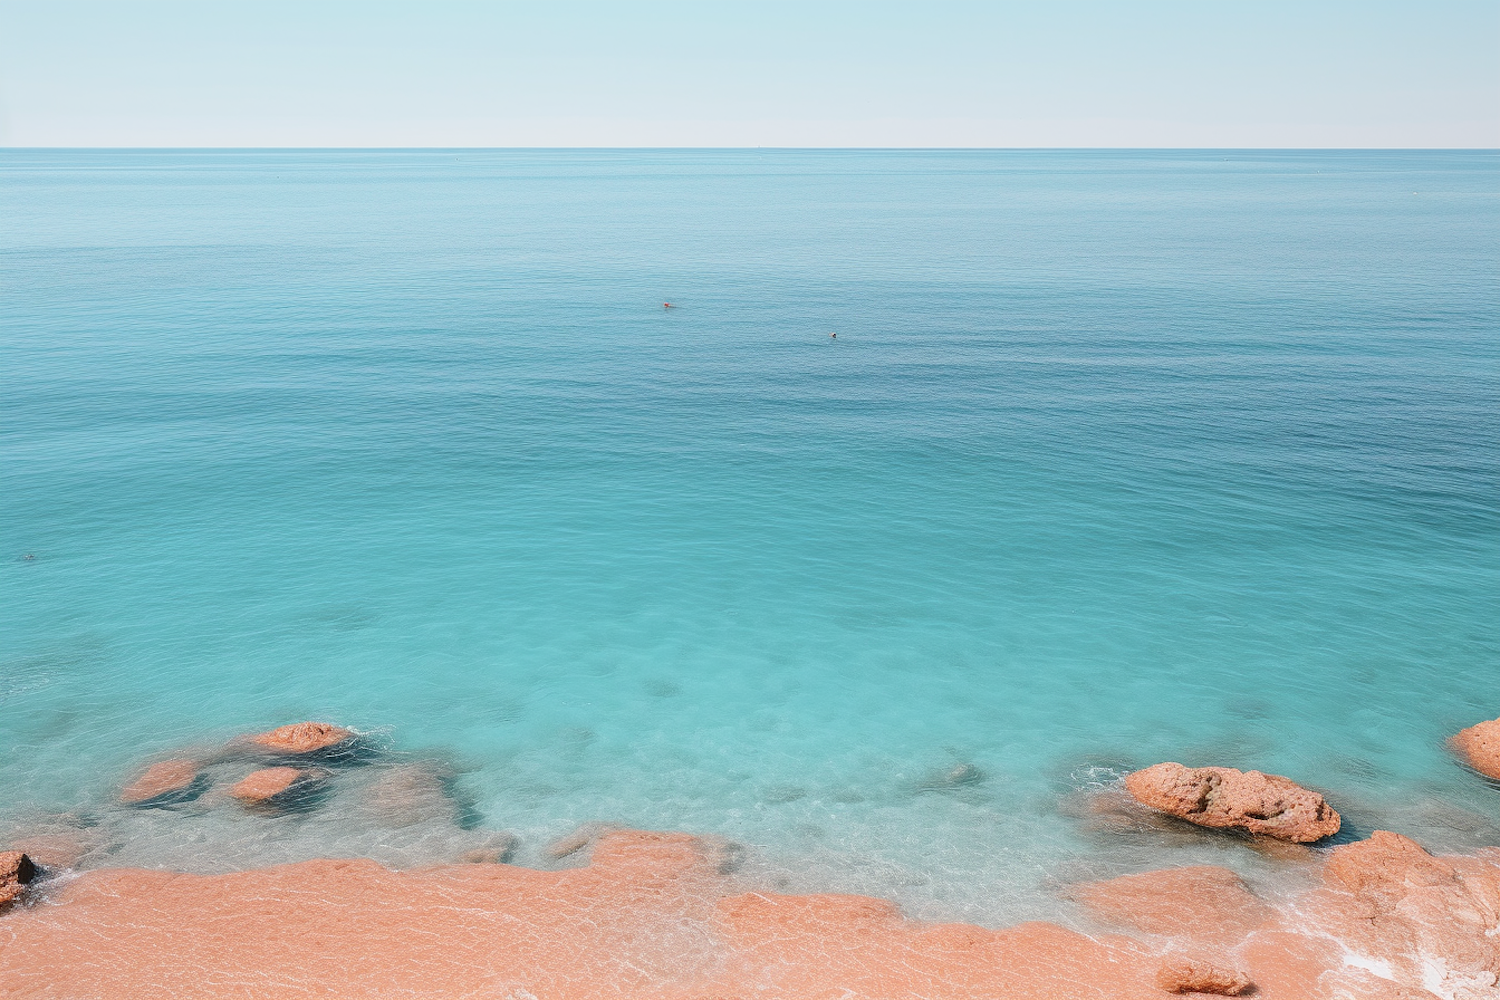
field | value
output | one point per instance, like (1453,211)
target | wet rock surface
(16,872)
(1202,903)
(1224,798)
(163,782)
(304,738)
(1479,746)
(1379,918)
(653,914)
(406,794)
(274,787)
(1436,919)
(649,916)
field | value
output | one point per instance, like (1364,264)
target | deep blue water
(1117,457)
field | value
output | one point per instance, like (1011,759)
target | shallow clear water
(1117,457)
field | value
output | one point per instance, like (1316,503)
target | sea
(951,487)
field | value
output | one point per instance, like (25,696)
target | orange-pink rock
(1222,797)
(1202,904)
(1437,918)
(262,786)
(652,916)
(1480,747)
(649,917)
(302,737)
(1381,920)
(168,777)
(1196,976)
(16,871)
(1427,923)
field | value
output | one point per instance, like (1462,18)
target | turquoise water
(1117,457)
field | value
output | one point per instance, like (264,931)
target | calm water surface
(1117,457)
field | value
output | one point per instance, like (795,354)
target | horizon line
(789,149)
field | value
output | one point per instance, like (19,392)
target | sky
(1048,73)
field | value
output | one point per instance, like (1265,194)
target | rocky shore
(666,915)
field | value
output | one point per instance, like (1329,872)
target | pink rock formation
(1480,747)
(1202,905)
(264,786)
(1381,920)
(652,917)
(649,917)
(1435,920)
(302,737)
(1195,976)
(1222,797)
(166,778)
(16,871)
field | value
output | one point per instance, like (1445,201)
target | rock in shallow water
(164,781)
(16,870)
(275,788)
(496,850)
(580,838)
(1224,798)
(1480,747)
(408,794)
(957,776)
(303,737)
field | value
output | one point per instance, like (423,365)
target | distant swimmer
(666,305)
(834,336)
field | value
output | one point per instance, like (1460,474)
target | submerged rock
(497,850)
(16,871)
(169,780)
(303,738)
(408,794)
(578,839)
(956,776)
(717,853)
(1224,798)
(275,788)
(1479,746)
(1210,907)
(58,840)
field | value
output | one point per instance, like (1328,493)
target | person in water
(834,336)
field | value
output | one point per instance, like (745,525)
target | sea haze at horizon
(1118,457)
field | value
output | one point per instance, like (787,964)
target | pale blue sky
(1061,73)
